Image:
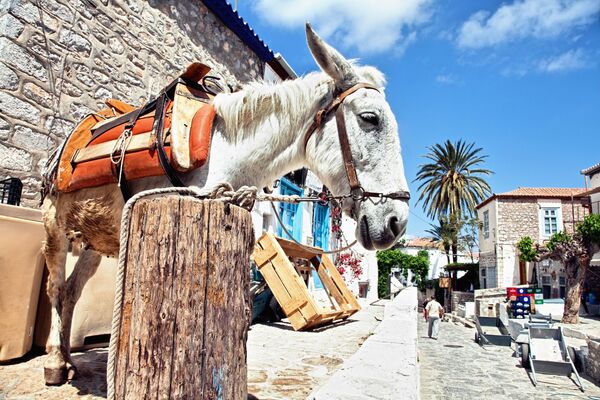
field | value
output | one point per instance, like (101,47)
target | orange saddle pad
(86,161)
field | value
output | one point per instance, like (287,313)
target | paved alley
(282,364)
(455,367)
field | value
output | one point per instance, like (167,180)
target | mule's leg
(84,269)
(55,251)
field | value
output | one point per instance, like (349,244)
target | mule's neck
(266,133)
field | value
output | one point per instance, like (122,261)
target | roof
(590,170)
(538,193)
(425,243)
(593,191)
(236,23)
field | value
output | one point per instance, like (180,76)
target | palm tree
(442,235)
(452,184)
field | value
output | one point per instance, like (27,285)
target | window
(562,282)
(486,224)
(483,278)
(547,286)
(550,216)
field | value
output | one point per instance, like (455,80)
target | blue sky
(520,78)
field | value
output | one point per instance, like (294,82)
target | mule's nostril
(395,226)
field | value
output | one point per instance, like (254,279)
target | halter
(357,192)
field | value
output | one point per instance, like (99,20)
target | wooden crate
(272,255)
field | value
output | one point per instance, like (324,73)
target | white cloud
(570,60)
(526,18)
(446,79)
(367,27)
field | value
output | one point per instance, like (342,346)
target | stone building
(60,59)
(534,212)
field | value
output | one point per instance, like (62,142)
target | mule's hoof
(72,372)
(56,376)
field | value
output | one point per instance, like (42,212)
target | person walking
(433,313)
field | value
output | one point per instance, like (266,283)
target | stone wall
(60,62)
(517,218)
(592,367)
(572,213)
(461,298)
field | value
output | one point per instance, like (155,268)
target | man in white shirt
(433,313)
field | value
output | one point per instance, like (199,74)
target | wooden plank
(292,249)
(293,281)
(339,282)
(267,269)
(332,288)
(103,150)
(284,276)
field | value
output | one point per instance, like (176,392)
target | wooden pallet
(272,256)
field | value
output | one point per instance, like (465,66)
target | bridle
(357,192)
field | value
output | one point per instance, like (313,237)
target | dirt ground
(282,363)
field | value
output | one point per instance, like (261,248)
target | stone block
(79,111)
(58,10)
(68,88)
(13,106)
(594,348)
(26,11)
(27,138)
(75,42)
(38,95)
(100,77)
(4,129)
(103,94)
(13,159)
(10,26)
(16,56)
(58,126)
(116,45)
(8,78)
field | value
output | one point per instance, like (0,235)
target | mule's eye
(369,117)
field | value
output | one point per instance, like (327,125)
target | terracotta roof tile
(426,243)
(544,192)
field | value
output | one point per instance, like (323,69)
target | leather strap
(161,108)
(342,132)
(346,151)
(323,113)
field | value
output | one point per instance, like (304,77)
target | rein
(357,192)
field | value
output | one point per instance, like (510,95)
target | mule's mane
(288,104)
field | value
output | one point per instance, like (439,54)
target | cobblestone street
(455,367)
(282,364)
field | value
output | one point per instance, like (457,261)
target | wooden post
(186,305)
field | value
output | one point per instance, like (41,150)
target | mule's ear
(330,61)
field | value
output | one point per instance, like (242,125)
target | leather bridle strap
(335,103)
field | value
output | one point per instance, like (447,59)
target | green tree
(418,265)
(575,252)
(452,183)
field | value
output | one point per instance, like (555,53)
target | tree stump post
(185,308)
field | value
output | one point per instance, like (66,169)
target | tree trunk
(447,250)
(575,271)
(186,305)
(454,252)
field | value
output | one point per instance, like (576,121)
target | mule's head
(373,136)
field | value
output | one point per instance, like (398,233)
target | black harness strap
(158,129)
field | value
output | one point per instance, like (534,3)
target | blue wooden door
(320,235)
(291,214)
(321,226)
